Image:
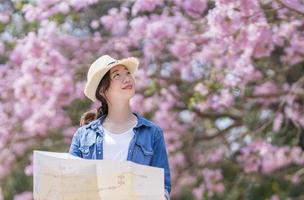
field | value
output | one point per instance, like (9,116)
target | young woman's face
(122,83)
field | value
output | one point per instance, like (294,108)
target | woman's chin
(128,95)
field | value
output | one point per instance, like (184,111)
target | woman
(114,132)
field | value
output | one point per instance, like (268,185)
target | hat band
(112,62)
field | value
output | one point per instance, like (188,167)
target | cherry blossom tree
(223,78)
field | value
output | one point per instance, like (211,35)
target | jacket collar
(141,121)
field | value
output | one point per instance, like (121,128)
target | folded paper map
(61,176)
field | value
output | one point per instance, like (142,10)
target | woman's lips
(127,87)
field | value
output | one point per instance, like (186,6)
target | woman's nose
(126,79)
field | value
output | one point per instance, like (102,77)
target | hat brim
(91,86)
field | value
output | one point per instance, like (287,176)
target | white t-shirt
(116,146)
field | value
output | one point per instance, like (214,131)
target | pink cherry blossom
(24,196)
(146,5)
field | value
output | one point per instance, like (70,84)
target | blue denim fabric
(147,147)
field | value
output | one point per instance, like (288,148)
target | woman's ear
(101,93)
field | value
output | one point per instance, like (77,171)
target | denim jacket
(147,147)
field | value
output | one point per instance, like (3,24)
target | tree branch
(218,134)
(290,8)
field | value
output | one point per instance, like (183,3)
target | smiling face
(122,83)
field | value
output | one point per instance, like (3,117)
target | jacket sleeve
(75,144)
(160,159)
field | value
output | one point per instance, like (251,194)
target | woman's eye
(116,75)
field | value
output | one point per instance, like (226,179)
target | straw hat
(100,67)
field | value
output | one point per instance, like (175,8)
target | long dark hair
(93,114)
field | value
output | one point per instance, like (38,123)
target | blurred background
(223,78)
